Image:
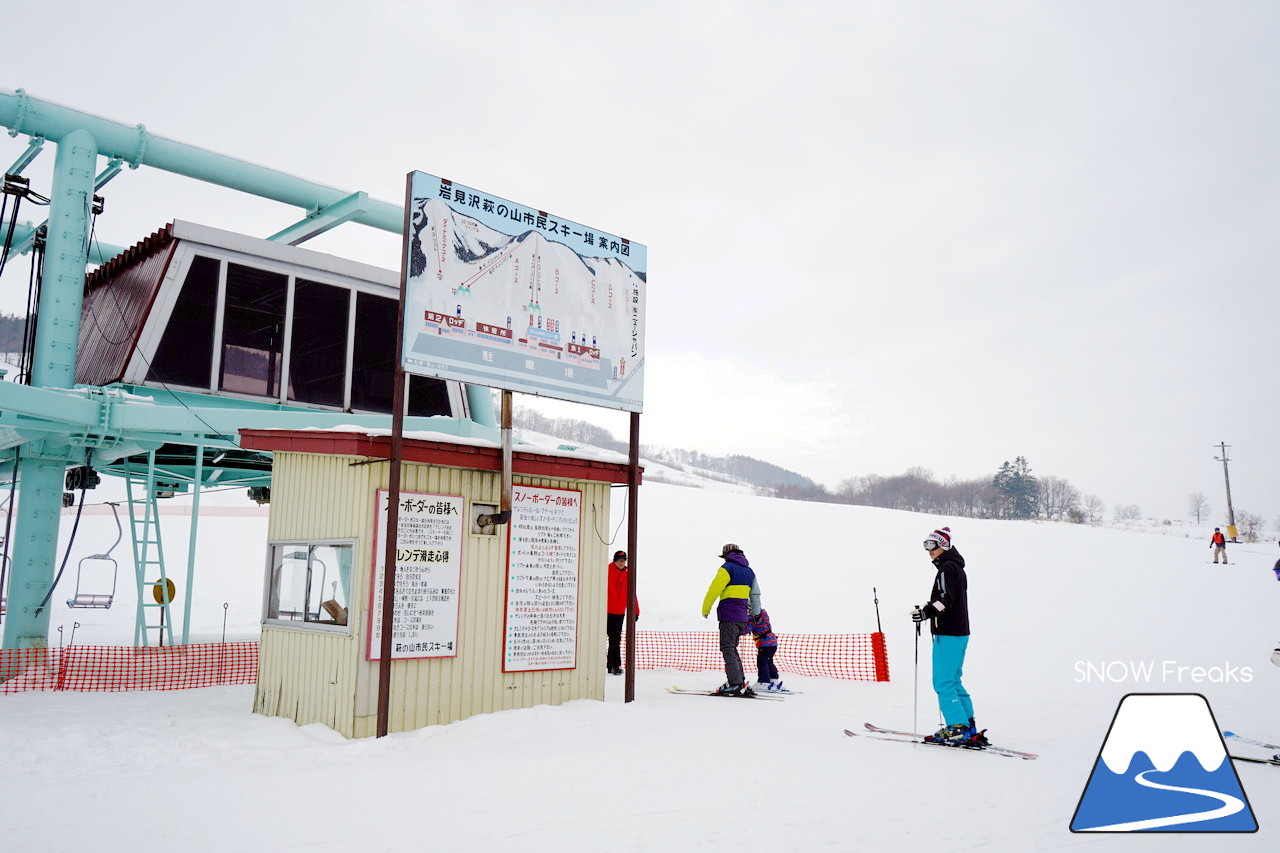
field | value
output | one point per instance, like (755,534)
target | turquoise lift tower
(50,424)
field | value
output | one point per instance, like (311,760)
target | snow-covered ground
(196,770)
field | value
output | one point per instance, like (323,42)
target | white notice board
(428,574)
(541,628)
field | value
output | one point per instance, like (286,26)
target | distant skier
(1218,543)
(1277,567)
(735,585)
(766,648)
(948,615)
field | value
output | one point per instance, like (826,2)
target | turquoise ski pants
(948,661)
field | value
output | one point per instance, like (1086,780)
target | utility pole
(1231,513)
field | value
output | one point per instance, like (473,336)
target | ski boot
(738,690)
(949,735)
(976,738)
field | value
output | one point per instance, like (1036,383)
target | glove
(917,615)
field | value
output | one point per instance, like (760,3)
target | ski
(916,737)
(1273,760)
(993,750)
(681,691)
(1244,739)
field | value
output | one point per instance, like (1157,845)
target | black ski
(771,696)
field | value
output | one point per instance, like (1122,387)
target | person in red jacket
(1218,543)
(616,608)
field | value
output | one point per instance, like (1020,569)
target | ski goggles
(930,544)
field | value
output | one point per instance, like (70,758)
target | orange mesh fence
(111,668)
(861,657)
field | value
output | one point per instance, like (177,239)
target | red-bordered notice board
(428,575)
(541,629)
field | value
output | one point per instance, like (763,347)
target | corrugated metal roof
(118,297)
(132,255)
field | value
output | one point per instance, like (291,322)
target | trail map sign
(508,296)
(542,580)
(428,572)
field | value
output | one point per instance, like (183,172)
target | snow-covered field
(196,770)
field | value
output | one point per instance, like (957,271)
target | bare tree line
(918,490)
(1012,492)
(1249,525)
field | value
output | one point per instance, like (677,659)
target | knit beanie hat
(942,536)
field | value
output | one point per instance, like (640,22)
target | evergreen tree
(1018,489)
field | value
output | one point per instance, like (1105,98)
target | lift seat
(86,600)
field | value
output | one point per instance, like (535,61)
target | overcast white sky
(881,235)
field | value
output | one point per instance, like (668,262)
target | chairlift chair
(98,601)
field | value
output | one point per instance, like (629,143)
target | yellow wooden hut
(488,617)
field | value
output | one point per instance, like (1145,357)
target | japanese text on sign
(428,573)
(542,580)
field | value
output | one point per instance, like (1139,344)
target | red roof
(485,458)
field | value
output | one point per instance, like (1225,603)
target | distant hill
(663,464)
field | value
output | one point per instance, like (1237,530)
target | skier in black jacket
(948,615)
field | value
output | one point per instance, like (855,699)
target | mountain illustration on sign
(483,303)
(1163,768)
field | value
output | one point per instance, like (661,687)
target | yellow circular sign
(158,594)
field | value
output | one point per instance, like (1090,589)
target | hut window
(309,584)
(185,354)
(253,331)
(318,346)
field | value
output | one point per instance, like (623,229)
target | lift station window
(373,365)
(185,354)
(335,360)
(318,343)
(253,331)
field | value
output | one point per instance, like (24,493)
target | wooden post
(393,484)
(633,528)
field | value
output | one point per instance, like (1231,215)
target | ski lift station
(201,358)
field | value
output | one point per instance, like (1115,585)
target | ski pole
(915,685)
(876,598)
